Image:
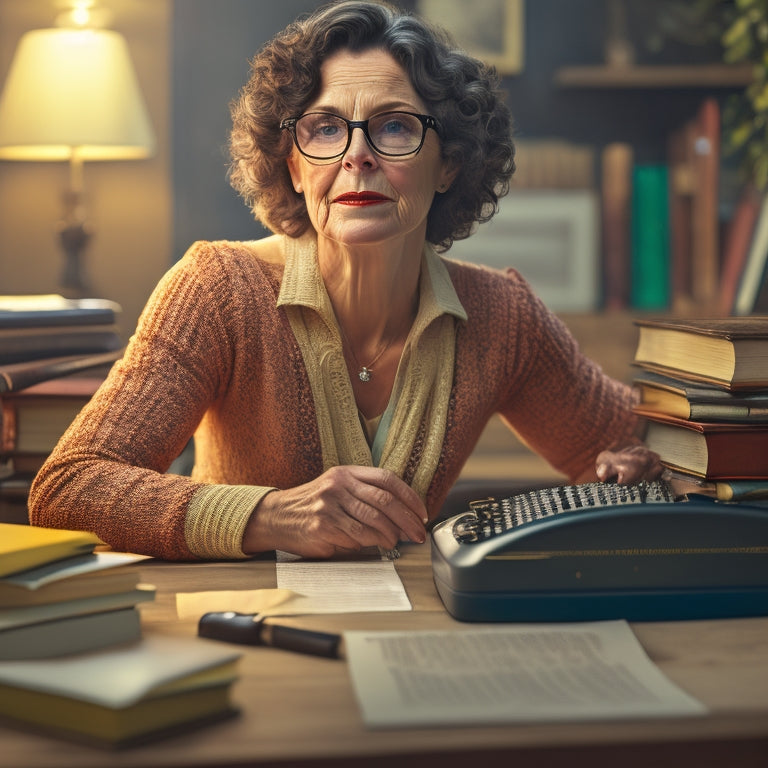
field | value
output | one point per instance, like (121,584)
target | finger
(373,508)
(630,465)
(387,500)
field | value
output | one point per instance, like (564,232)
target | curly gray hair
(475,125)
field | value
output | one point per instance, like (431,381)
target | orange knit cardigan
(214,356)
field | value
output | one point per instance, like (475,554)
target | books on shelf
(616,206)
(125,694)
(755,273)
(35,327)
(33,419)
(736,247)
(730,352)
(650,241)
(694,155)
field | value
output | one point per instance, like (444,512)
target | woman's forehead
(365,76)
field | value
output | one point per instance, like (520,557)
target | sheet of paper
(510,673)
(267,602)
(343,586)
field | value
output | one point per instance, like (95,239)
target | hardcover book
(116,696)
(17,376)
(728,352)
(27,546)
(33,419)
(711,450)
(699,402)
(70,634)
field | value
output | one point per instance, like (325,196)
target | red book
(736,247)
(33,419)
(711,450)
(705,217)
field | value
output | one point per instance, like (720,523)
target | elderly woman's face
(364,197)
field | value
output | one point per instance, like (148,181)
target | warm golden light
(72,94)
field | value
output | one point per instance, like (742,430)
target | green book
(650,283)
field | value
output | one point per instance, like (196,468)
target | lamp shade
(72,94)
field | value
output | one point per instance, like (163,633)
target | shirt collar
(302,284)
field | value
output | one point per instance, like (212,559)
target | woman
(337,374)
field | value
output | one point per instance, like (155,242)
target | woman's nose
(359,153)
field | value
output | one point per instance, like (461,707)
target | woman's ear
(293,169)
(447,175)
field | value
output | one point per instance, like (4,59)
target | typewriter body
(602,551)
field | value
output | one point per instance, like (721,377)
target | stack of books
(58,596)
(73,659)
(54,353)
(38,327)
(703,389)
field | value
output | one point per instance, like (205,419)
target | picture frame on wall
(490,30)
(551,237)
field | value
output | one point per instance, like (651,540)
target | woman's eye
(327,130)
(393,126)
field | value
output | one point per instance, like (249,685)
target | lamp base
(74,238)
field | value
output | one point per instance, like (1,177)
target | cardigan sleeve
(108,472)
(560,402)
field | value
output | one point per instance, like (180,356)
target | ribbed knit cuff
(216,520)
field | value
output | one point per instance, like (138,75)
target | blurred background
(640,126)
(584,78)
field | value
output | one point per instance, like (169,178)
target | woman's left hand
(629,465)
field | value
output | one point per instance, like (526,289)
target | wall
(213,41)
(192,57)
(128,203)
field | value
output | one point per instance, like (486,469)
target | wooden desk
(300,710)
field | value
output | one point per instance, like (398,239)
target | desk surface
(300,710)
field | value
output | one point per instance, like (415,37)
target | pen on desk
(252,629)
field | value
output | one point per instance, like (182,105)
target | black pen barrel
(302,640)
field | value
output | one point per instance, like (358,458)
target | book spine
(705,204)
(28,348)
(650,272)
(56,317)
(754,270)
(17,376)
(617,161)
(736,248)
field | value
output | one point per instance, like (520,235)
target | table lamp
(72,95)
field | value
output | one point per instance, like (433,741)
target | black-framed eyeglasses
(325,136)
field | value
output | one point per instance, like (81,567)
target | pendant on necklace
(364,374)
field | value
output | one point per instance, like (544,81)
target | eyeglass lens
(323,135)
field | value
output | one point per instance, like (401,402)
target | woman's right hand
(345,509)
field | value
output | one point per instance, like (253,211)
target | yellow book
(120,695)
(27,546)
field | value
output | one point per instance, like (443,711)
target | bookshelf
(706,76)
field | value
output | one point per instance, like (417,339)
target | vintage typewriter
(603,551)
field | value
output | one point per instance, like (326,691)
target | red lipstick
(361,198)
